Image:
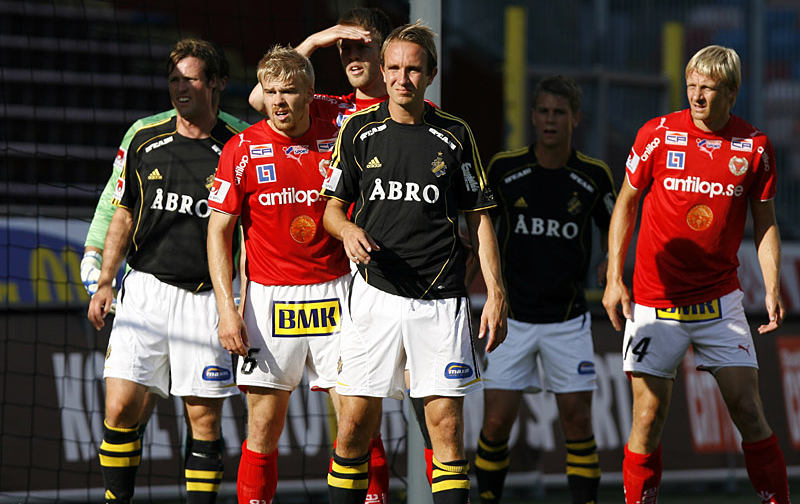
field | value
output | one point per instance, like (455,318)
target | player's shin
(641,476)
(348,480)
(258,476)
(203,471)
(583,470)
(450,482)
(378,469)
(120,455)
(491,467)
(766,468)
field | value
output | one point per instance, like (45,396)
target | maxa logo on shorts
(701,312)
(305,318)
(457,371)
(216,373)
(586,368)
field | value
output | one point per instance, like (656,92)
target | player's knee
(120,413)
(496,428)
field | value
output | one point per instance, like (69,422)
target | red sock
(641,476)
(767,470)
(330,462)
(258,476)
(378,491)
(429,465)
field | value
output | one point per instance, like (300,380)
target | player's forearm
(256,99)
(335,221)
(220,260)
(620,231)
(118,239)
(768,247)
(484,244)
(103,213)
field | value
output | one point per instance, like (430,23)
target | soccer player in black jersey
(409,168)
(547,195)
(163,337)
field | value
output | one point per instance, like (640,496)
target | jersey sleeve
(228,191)
(344,173)
(639,165)
(765,183)
(233,121)
(474,192)
(601,214)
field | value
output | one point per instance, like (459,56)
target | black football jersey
(543,226)
(165,183)
(408,183)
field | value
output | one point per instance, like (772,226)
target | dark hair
(416,33)
(374,20)
(215,62)
(562,86)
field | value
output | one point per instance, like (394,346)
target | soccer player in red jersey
(703,165)
(271,175)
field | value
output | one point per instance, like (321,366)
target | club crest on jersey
(709,146)
(439,166)
(574,204)
(675,160)
(676,138)
(326,145)
(261,151)
(295,152)
(305,318)
(219,190)
(742,144)
(266,173)
(738,165)
(701,312)
(209,183)
(302,229)
(323,167)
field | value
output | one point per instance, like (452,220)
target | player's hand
(232,333)
(101,305)
(494,321)
(776,312)
(332,35)
(358,244)
(616,294)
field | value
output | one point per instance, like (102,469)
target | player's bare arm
(623,222)
(117,241)
(232,333)
(484,246)
(602,268)
(357,243)
(320,39)
(768,245)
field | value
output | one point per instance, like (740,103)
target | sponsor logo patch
(302,229)
(295,152)
(216,373)
(633,161)
(261,151)
(515,176)
(305,318)
(709,146)
(219,190)
(469,179)
(586,368)
(332,179)
(675,160)
(326,145)
(701,312)
(119,188)
(676,138)
(742,144)
(160,143)
(699,217)
(266,173)
(457,371)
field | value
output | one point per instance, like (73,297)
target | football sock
(766,468)
(203,471)
(429,465)
(491,466)
(378,470)
(450,482)
(348,480)
(583,470)
(641,476)
(120,455)
(258,476)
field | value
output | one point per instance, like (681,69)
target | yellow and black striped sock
(120,455)
(491,466)
(348,480)
(203,471)
(583,470)
(450,482)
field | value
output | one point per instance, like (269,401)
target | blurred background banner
(75,74)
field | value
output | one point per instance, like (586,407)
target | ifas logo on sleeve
(293,319)
(219,191)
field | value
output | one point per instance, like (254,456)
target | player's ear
(433,74)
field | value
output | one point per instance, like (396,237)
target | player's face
(191,93)
(361,62)
(405,73)
(553,120)
(710,101)
(287,104)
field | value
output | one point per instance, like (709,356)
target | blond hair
(720,63)
(282,63)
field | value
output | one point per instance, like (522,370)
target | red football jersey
(336,108)
(694,215)
(274,182)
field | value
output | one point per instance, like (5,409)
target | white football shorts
(389,333)
(564,349)
(163,332)
(657,339)
(292,328)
